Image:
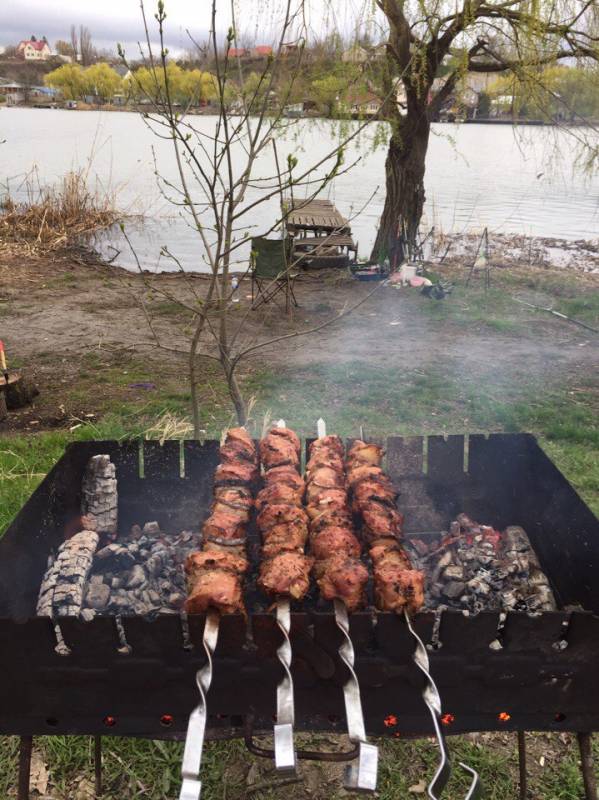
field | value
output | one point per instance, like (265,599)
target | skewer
(360,776)
(191,787)
(432,700)
(285,760)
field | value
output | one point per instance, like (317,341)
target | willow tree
(520,37)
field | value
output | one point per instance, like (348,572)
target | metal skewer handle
(191,787)
(432,699)
(361,775)
(285,759)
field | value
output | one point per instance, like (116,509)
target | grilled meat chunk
(288,435)
(366,490)
(327,444)
(242,513)
(216,589)
(287,475)
(364,453)
(274,515)
(235,474)
(334,540)
(234,495)
(342,578)
(279,493)
(277,452)
(327,500)
(328,518)
(396,588)
(222,525)
(381,520)
(384,552)
(214,579)
(325,458)
(200,561)
(287,536)
(324,478)
(366,472)
(286,575)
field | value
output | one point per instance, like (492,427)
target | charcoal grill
(543,677)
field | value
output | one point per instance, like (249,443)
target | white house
(34,50)
(15,93)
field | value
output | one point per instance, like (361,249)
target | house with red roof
(34,49)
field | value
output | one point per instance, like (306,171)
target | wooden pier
(320,234)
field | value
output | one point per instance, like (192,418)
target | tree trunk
(404,201)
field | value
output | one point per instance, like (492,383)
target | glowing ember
(390,721)
(447,719)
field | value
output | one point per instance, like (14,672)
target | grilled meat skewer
(396,584)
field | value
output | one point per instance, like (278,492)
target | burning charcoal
(152,529)
(137,577)
(96,579)
(453,573)
(135,532)
(176,600)
(87,614)
(97,595)
(453,589)
(61,592)
(100,497)
(420,546)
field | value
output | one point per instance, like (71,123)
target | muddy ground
(65,321)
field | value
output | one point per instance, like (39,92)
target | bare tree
(421,36)
(88,53)
(222,188)
(74,42)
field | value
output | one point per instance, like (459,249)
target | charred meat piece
(343,578)
(325,478)
(288,435)
(287,475)
(332,541)
(366,472)
(381,492)
(396,588)
(286,575)
(234,495)
(241,513)
(223,526)
(279,493)
(238,446)
(327,444)
(381,520)
(364,453)
(384,552)
(200,561)
(277,452)
(275,515)
(327,500)
(236,547)
(235,474)
(330,518)
(328,459)
(286,536)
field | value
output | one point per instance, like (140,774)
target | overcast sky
(112,21)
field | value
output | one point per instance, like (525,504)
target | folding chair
(269,264)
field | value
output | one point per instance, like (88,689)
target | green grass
(150,770)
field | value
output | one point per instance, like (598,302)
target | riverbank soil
(401,363)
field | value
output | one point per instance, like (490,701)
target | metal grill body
(542,678)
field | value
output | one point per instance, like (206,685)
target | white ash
(99,500)
(142,575)
(61,592)
(476,568)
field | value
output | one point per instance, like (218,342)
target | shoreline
(208,111)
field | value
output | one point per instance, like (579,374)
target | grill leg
(25,747)
(98,765)
(522,765)
(587,766)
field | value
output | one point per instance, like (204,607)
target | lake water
(477,176)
